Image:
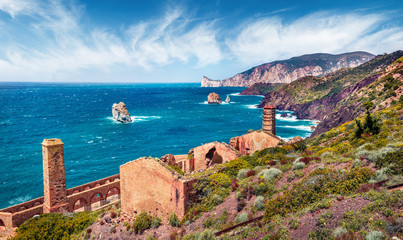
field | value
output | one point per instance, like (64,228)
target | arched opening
(212,157)
(112,194)
(76,191)
(95,200)
(2,223)
(21,209)
(37,204)
(97,185)
(107,181)
(79,205)
(87,188)
(117,178)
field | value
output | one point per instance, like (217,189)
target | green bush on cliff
(220,179)
(55,225)
(174,221)
(144,221)
(232,168)
(316,186)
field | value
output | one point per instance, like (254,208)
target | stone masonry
(54,179)
(269,120)
(151,186)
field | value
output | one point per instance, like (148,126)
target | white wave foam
(137,118)
(252,106)
(291,118)
(19,200)
(303,128)
(235,94)
(144,118)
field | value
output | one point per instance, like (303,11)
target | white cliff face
(120,113)
(207,82)
(290,70)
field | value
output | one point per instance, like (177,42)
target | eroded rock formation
(227,100)
(213,98)
(120,113)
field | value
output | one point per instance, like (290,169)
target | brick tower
(54,179)
(269,119)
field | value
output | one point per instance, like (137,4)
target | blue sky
(180,41)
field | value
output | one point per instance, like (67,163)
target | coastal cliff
(338,97)
(287,71)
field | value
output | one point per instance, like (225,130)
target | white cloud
(271,39)
(17,7)
(69,46)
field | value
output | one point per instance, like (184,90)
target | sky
(181,41)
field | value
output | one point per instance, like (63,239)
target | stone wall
(149,185)
(255,141)
(212,153)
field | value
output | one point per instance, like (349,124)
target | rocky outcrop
(213,98)
(207,82)
(295,140)
(120,113)
(255,141)
(287,71)
(227,100)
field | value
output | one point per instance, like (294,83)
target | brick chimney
(54,178)
(269,119)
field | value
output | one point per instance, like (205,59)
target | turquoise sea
(168,118)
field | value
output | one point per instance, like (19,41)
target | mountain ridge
(289,70)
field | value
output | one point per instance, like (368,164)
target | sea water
(167,118)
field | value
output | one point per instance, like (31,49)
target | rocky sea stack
(120,113)
(213,98)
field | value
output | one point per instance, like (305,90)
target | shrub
(259,203)
(234,184)
(220,179)
(206,235)
(232,168)
(371,125)
(294,224)
(339,232)
(270,174)
(174,221)
(298,165)
(55,225)
(250,173)
(142,222)
(380,175)
(156,222)
(272,163)
(261,188)
(374,235)
(242,217)
(316,186)
(242,173)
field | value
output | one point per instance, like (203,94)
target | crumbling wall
(147,185)
(255,141)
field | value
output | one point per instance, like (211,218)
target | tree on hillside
(371,125)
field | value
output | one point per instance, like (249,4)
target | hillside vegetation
(328,187)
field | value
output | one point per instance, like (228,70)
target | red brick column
(269,119)
(54,179)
